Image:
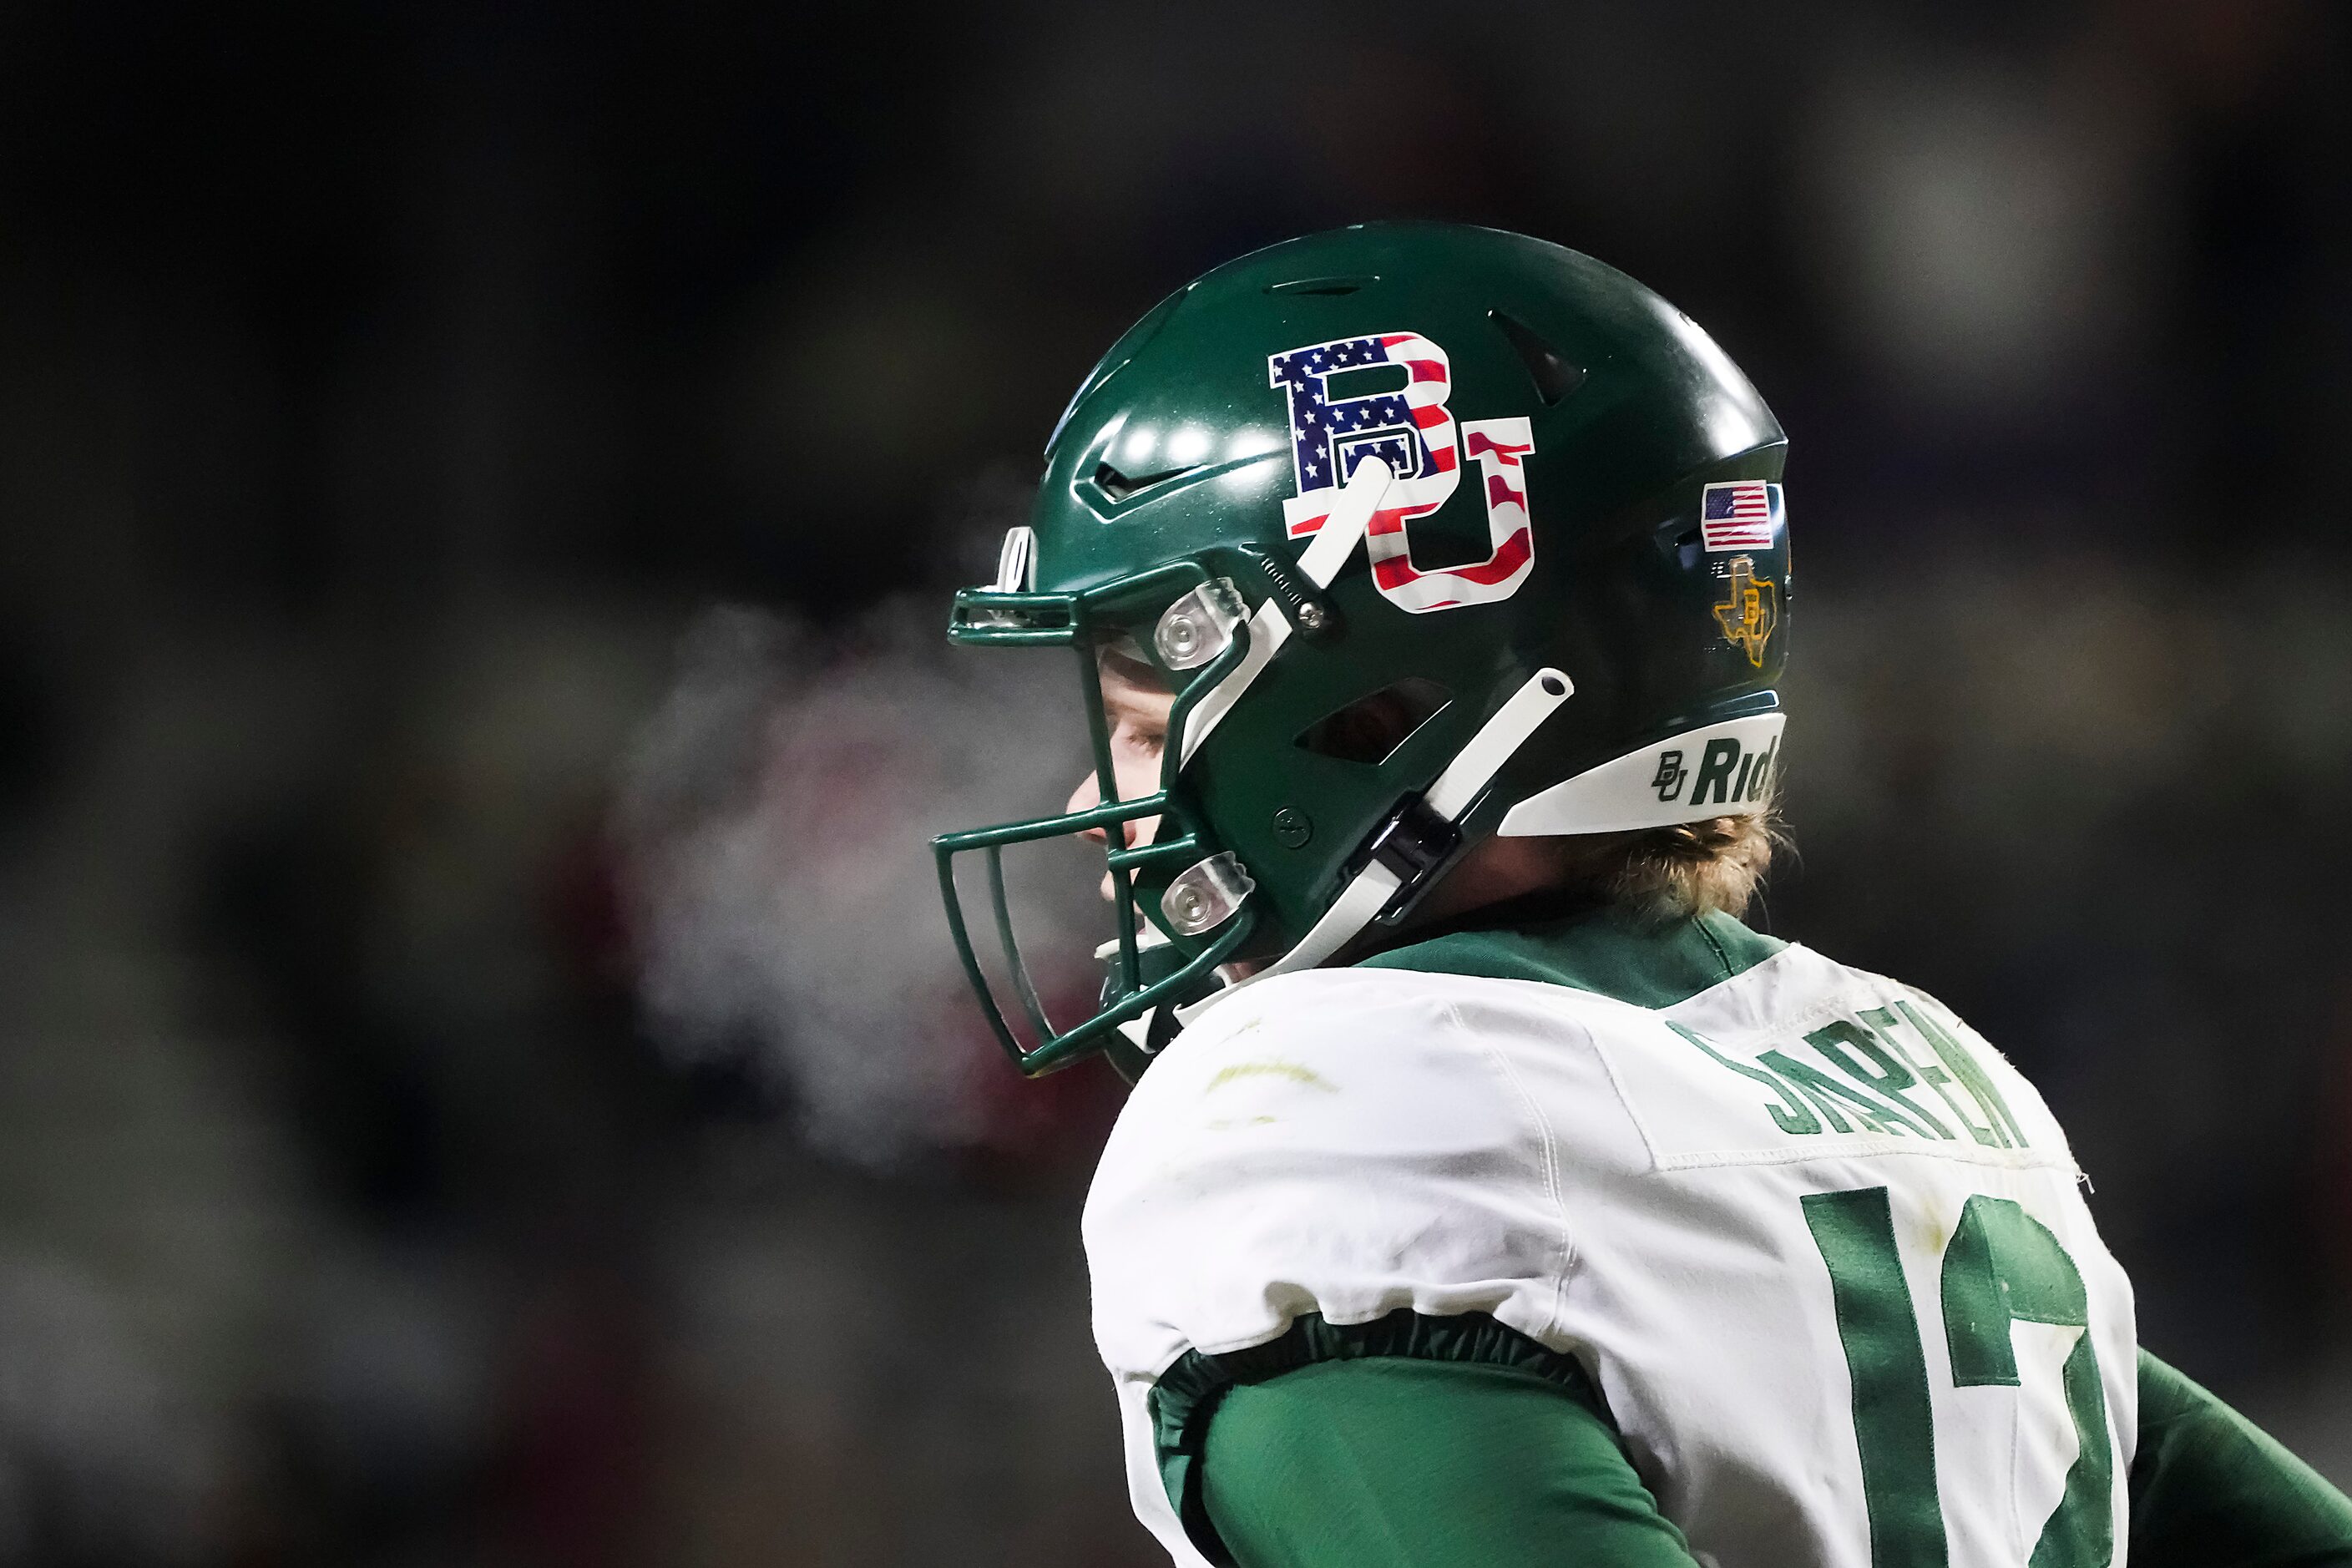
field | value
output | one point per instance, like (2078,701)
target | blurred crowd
(483,1078)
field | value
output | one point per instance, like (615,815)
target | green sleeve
(1416,1464)
(2210,1490)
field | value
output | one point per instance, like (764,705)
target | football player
(1489,1194)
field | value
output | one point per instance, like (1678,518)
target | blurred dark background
(481,1078)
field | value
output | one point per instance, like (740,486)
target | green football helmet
(1488,482)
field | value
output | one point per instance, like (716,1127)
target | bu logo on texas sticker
(1752,612)
(1413,432)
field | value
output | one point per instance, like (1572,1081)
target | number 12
(2002,1267)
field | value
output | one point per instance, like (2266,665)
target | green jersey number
(2002,1268)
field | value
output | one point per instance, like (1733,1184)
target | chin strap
(1474,767)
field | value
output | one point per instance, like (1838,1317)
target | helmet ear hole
(1373,727)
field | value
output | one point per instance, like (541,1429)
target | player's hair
(1666,872)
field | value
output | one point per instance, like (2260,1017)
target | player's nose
(1085,797)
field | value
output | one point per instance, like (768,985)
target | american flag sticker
(1743,515)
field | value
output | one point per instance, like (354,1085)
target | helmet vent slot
(1119,486)
(1320,286)
(1554,376)
(1374,727)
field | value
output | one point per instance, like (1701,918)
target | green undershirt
(1419,1464)
(1428,1463)
(1418,1442)
(2210,1488)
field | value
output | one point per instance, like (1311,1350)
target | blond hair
(1664,873)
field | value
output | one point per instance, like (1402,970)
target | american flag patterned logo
(1411,429)
(1742,515)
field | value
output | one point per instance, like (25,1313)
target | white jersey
(1822,1250)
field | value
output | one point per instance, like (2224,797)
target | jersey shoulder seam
(1564,1244)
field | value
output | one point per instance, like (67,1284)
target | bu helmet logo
(1668,780)
(1414,434)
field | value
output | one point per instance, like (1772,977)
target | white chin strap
(1456,790)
